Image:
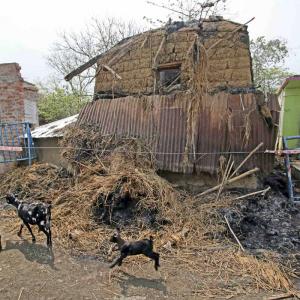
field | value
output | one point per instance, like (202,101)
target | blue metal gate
(16,143)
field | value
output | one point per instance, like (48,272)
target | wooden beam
(11,148)
(112,71)
(83,67)
(227,36)
(117,50)
(172,65)
(163,40)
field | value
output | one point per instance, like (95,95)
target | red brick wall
(13,91)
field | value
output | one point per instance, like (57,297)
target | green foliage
(59,103)
(268,58)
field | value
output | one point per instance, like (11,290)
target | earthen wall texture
(229,60)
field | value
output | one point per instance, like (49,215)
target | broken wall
(11,93)
(18,98)
(229,61)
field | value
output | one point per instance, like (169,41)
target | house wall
(291,114)
(13,93)
(47,151)
(187,134)
(229,63)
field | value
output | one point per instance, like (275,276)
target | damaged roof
(54,129)
(169,28)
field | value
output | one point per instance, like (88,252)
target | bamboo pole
(263,192)
(232,232)
(230,181)
(158,51)
(229,35)
(112,72)
(225,177)
(245,160)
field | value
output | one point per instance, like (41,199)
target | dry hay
(122,178)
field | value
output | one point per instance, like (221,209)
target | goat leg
(48,234)
(20,230)
(28,226)
(50,237)
(154,256)
(118,261)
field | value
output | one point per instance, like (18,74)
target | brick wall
(13,92)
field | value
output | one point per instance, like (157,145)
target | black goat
(144,247)
(34,214)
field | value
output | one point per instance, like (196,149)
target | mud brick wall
(229,63)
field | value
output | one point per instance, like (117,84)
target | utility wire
(148,152)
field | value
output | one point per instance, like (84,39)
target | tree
(268,59)
(58,103)
(190,10)
(72,49)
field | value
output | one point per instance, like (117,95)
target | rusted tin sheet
(187,137)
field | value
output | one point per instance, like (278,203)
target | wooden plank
(173,65)
(11,148)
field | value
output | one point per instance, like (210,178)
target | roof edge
(286,81)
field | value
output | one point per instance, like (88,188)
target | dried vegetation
(113,181)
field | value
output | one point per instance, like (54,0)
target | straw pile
(115,183)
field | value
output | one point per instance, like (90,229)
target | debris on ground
(271,223)
(113,182)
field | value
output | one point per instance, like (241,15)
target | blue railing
(288,165)
(16,143)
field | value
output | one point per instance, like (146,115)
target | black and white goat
(36,213)
(126,248)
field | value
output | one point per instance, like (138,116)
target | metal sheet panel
(187,139)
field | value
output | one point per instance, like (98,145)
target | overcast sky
(28,28)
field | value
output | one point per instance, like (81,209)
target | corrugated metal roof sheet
(53,129)
(222,123)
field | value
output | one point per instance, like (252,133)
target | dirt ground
(32,271)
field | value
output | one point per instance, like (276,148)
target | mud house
(186,89)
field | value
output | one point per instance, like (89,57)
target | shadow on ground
(33,252)
(127,281)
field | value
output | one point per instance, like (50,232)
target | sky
(29,28)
